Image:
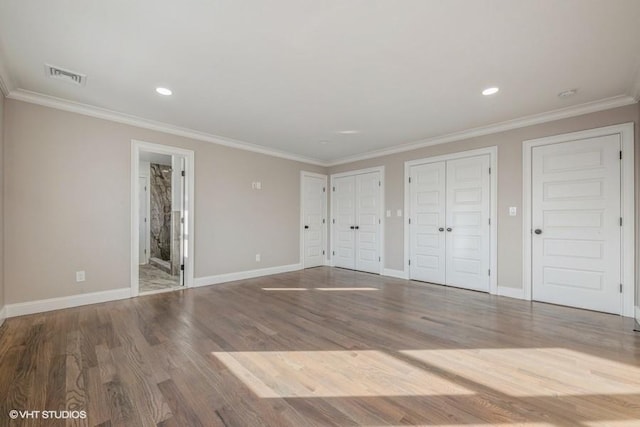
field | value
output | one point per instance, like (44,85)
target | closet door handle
(306,227)
(357,227)
(449,229)
(352,227)
(538,231)
(441,229)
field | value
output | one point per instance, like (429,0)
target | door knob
(538,231)
(352,227)
(357,227)
(306,227)
(449,229)
(441,229)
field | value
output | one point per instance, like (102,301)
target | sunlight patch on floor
(285,289)
(346,289)
(278,374)
(536,371)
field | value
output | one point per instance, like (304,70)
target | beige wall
(1,202)
(509,145)
(67,199)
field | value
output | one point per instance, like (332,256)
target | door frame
(381,229)
(626,132)
(136,147)
(325,226)
(493,203)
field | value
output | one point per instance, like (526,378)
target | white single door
(468,229)
(427,236)
(367,223)
(313,211)
(143,220)
(576,224)
(344,215)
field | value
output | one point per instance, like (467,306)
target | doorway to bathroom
(162,203)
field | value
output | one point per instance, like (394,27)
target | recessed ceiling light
(490,91)
(163,91)
(348,132)
(567,93)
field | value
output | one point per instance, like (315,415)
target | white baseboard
(31,307)
(511,292)
(398,274)
(637,309)
(3,314)
(242,275)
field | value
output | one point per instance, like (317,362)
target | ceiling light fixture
(163,91)
(490,91)
(567,93)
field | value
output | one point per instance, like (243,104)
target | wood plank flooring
(322,347)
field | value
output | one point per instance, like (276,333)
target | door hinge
(489,221)
(620,287)
(379,183)
(379,259)
(333,253)
(409,180)
(322,252)
(323,220)
(182,173)
(333,220)
(181,267)
(489,171)
(145,251)
(379,221)
(409,220)
(334,189)
(409,262)
(145,220)
(489,272)
(324,189)
(620,154)
(620,221)
(145,188)
(182,220)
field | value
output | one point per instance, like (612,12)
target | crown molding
(115,116)
(635,86)
(6,83)
(563,113)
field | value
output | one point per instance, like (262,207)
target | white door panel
(367,227)
(344,201)
(427,242)
(142,228)
(313,217)
(468,230)
(576,208)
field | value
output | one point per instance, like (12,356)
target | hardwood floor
(280,351)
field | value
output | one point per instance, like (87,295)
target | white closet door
(576,224)
(344,214)
(367,228)
(313,214)
(426,231)
(468,228)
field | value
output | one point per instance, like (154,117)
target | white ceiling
(286,74)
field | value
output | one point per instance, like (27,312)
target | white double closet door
(356,222)
(449,223)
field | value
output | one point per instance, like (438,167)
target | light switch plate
(399,212)
(513,211)
(80,276)
(388,213)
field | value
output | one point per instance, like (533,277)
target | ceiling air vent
(65,75)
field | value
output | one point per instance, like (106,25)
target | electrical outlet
(80,276)
(257,257)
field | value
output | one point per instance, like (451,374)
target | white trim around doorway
(136,148)
(493,162)
(627,199)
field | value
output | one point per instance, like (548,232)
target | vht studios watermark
(47,415)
